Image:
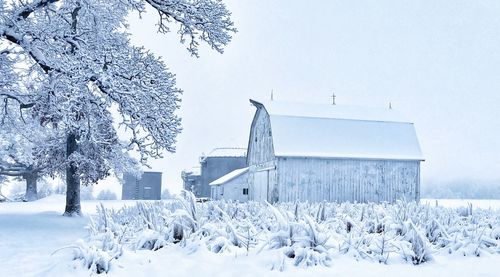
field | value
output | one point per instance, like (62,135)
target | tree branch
(22,105)
(206,20)
(28,10)
(14,171)
(18,41)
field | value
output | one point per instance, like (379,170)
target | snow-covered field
(34,238)
(456,203)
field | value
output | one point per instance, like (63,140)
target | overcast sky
(438,62)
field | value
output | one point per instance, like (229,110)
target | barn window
(245,191)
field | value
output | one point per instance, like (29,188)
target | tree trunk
(72,180)
(31,190)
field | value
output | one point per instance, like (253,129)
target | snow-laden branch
(201,20)
(29,8)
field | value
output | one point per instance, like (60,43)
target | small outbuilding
(217,163)
(319,152)
(145,187)
(232,186)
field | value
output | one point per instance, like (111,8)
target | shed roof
(230,176)
(332,131)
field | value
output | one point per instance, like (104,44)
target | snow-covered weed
(304,234)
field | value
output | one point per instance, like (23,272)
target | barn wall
(261,160)
(260,146)
(340,180)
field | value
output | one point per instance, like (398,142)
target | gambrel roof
(332,131)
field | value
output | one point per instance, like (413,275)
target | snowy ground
(31,232)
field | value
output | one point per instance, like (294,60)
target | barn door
(261,185)
(272,193)
(265,185)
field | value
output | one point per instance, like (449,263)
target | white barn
(314,152)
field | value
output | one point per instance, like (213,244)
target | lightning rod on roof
(333,98)
(272,96)
(390,105)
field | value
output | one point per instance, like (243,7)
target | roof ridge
(347,119)
(318,110)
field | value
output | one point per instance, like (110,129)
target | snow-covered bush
(303,234)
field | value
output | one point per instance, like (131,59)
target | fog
(437,62)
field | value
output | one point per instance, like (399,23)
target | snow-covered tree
(45,188)
(18,158)
(27,149)
(165,194)
(106,195)
(78,55)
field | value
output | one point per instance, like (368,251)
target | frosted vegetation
(302,234)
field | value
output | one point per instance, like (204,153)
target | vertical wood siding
(233,189)
(354,180)
(261,156)
(260,148)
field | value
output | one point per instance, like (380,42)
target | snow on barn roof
(332,131)
(332,111)
(195,170)
(228,177)
(227,152)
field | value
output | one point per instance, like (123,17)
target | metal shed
(146,187)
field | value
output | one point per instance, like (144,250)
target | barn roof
(228,177)
(332,131)
(195,170)
(227,152)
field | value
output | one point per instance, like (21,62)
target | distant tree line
(461,190)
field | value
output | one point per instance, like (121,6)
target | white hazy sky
(437,61)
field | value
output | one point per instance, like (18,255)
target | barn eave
(345,157)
